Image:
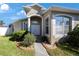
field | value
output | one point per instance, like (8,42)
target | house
(18,25)
(54,22)
(4,30)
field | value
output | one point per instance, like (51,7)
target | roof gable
(34,6)
(38,6)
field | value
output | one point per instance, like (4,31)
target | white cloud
(4,7)
(22,12)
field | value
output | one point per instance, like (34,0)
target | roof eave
(58,9)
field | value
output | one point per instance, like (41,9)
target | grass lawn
(8,48)
(62,50)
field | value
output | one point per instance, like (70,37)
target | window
(47,27)
(34,22)
(24,26)
(62,24)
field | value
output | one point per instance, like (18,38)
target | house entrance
(36,25)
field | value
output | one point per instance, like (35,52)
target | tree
(1,22)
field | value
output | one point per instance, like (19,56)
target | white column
(73,24)
(53,31)
(29,24)
(53,26)
(42,26)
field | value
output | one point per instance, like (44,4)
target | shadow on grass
(69,49)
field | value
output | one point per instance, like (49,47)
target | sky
(11,12)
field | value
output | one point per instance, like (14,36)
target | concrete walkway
(40,50)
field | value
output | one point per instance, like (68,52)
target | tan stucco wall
(17,26)
(45,16)
(51,15)
(75,21)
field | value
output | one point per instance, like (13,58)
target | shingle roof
(63,9)
(20,20)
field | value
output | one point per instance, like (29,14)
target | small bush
(44,39)
(28,39)
(73,39)
(16,36)
(19,33)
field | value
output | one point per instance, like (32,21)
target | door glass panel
(35,29)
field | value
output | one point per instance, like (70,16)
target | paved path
(40,50)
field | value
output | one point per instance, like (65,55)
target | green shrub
(16,35)
(44,39)
(28,39)
(73,39)
(19,33)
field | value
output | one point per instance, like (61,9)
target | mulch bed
(49,46)
(31,47)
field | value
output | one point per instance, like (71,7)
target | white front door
(35,29)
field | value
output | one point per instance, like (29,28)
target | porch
(35,25)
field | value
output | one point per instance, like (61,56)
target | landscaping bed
(61,50)
(31,47)
(66,46)
(9,48)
